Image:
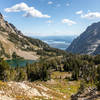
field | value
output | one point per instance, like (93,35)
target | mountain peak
(15,44)
(10,28)
(88,42)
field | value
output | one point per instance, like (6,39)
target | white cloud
(79,12)
(29,11)
(91,15)
(68,22)
(50,2)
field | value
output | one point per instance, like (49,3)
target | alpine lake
(19,62)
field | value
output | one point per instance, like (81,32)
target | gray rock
(88,42)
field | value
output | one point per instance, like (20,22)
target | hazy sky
(51,17)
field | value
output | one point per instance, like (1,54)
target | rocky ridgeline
(88,42)
(12,41)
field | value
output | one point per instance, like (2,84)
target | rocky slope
(12,41)
(57,88)
(88,42)
(28,91)
(89,93)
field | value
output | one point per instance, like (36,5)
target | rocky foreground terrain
(50,90)
(88,94)
(58,88)
(28,91)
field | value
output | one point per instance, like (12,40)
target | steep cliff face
(13,41)
(88,42)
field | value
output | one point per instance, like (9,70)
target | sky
(51,17)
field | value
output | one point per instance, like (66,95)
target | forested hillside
(83,69)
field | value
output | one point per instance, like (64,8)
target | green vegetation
(81,66)
(30,44)
(2,29)
(31,72)
(2,51)
(83,70)
(37,42)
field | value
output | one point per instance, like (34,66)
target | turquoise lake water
(21,63)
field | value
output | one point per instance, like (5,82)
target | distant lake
(60,42)
(18,62)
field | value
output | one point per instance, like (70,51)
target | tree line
(82,67)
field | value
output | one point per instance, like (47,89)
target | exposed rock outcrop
(88,42)
(13,41)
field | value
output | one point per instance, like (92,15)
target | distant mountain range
(88,42)
(13,42)
(60,42)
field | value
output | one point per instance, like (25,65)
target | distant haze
(60,42)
